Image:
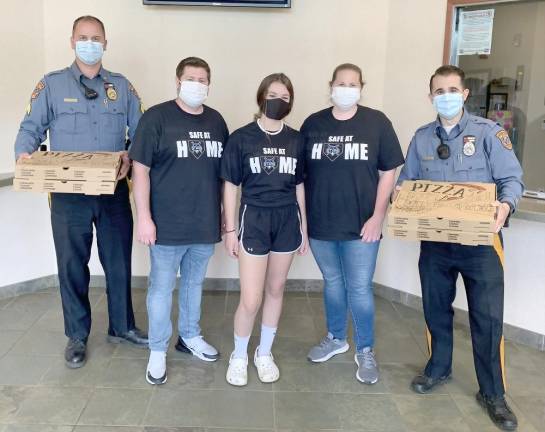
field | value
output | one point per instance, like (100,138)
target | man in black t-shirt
(177,189)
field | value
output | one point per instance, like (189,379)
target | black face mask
(276,109)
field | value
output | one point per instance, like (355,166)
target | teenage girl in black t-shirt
(265,157)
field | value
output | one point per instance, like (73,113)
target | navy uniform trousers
(72,220)
(481,268)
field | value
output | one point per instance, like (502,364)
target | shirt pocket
(114,118)
(430,170)
(472,168)
(72,118)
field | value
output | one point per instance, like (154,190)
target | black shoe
(424,384)
(135,337)
(498,411)
(74,353)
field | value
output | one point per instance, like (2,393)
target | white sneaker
(237,372)
(266,367)
(198,347)
(156,372)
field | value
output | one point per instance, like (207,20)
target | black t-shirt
(183,153)
(268,165)
(342,163)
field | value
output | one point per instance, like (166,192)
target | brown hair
(446,70)
(195,62)
(347,66)
(88,18)
(264,87)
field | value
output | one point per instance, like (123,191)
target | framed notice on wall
(475,32)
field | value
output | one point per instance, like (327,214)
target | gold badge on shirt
(111,92)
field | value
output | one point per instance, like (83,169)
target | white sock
(267,339)
(241,346)
(157,363)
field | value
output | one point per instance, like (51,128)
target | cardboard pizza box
(68,172)
(448,236)
(49,165)
(425,204)
(65,186)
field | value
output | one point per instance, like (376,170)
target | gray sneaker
(327,348)
(367,372)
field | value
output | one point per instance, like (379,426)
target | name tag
(428,158)
(70,99)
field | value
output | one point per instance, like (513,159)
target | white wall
(397,44)
(22,48)
(26,250)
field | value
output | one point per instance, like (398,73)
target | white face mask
(193,93)
(345,98)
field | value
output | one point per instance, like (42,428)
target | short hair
(91,19)
(446,70)
(347,66)
(195,62)
(261,96)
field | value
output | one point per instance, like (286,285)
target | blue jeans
(192,261)
(348,268)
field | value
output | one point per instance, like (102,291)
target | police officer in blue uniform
(460,147)
(87,108)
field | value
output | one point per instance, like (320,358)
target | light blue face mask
(89,52)
(448,105)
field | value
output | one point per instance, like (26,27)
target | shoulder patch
(36,92)
(133,90)
(503,136)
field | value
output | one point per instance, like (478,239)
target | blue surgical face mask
(89,52)
(448,105)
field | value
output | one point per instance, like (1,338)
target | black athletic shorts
(270,229)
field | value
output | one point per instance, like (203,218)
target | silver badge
(469,149)
(469,145)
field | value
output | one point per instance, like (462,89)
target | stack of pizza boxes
(445,212)
(68,172)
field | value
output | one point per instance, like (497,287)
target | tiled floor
(39,394)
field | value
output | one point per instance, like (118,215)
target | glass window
(507,84)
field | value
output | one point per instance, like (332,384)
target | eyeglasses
(89,92)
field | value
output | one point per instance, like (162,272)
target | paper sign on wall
(475,32)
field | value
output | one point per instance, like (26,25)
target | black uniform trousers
(481,268)
(72,220)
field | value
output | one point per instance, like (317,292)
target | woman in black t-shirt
(265,157)
(351,154)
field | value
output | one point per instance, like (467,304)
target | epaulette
(426,126)
(483,121)
(57,72)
